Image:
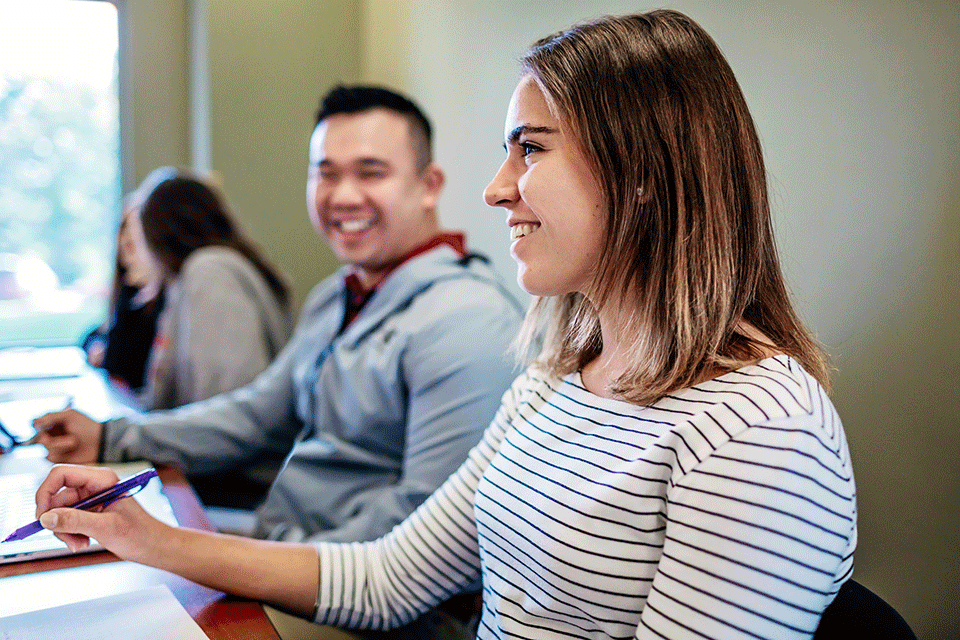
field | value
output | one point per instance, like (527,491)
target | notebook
(18,507)
(152,613)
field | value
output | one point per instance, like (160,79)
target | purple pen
(122,489)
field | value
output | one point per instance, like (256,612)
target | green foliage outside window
(59,203)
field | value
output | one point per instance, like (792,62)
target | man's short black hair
(357,98)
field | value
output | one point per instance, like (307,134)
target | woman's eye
(526,148)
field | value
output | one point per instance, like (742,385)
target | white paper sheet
(147,614)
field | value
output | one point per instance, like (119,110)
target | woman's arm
(283,574)
(759,536)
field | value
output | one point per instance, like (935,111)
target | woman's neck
(619,352)
(614,358)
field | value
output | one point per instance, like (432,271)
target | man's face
(365,193)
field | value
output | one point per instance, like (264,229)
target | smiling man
(372,189)
(397,364)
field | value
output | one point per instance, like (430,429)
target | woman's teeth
(520,230)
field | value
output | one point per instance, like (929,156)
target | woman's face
(132,249)
(554,208)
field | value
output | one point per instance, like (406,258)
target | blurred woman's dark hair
(182,214)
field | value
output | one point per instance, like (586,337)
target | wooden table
(29,586)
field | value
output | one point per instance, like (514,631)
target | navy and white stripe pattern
(727,510)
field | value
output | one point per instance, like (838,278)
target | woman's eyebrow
(528,129)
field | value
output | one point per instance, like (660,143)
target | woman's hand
(123,527)
(283,574)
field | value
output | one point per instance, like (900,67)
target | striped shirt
(726,510)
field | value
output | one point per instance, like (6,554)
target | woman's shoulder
(776,390)
(218,264)
(778,385)
(773,405)
(212,258)
(534,381)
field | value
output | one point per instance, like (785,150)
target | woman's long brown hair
(659,114)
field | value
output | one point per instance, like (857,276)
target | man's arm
(199,437)
(205,436)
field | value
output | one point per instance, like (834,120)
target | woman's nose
(502,190)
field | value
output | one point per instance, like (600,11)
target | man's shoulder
(324,292)
(442,271)
(462,292)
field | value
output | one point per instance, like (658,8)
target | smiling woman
(548,188)
(60,169)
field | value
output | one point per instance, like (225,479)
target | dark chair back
(857,612)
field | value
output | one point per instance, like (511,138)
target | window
(59,168)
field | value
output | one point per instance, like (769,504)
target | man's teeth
(353,226)
(520,230)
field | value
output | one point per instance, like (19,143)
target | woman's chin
(534,286)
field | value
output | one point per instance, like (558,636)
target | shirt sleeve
(769,517)
(204,437)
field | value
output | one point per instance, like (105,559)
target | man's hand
(69,436)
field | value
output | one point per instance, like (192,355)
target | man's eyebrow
(528,129)
(363,162)
(366,162)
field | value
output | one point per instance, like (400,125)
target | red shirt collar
(357,295)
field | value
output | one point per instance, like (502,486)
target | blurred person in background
(228,309)
(121,345)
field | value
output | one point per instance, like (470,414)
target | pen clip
(126,494)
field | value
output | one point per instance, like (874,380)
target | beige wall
(269,64)
(232,86)
(154,88)
(858,106)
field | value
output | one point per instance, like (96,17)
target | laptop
(16,417)
(41,362)
(18,507)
